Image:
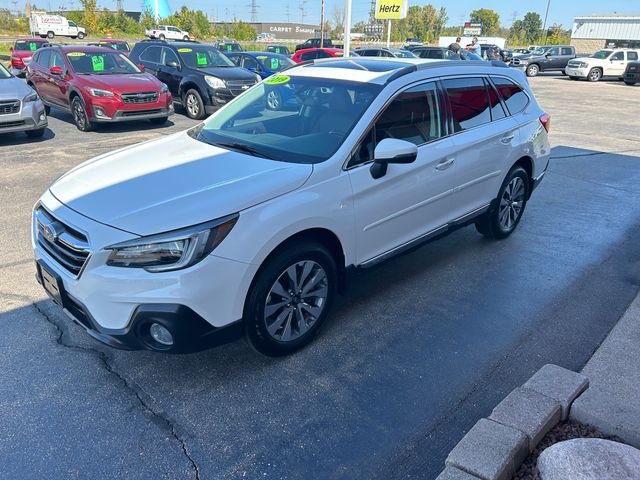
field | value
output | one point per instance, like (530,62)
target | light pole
(544,26)
(347,26)
(322,25)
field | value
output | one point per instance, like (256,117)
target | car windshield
(203,57)
(230,47)
(275,63)
(403,54)
(4,73)
(602,54)
(101,63)
(539,50)
(28,45)
(119,46)
(291,119)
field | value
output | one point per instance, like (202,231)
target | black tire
(274,268)
(533,70)
(47,110)
(564,72)
(73,38)
(185,38)
(80,35)
(80,117)
(50,34)
(594,75)
(193,104)
(159,120)
(35,133)
(629,83)
(161,37)
(490,224)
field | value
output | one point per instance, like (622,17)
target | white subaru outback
(248,223)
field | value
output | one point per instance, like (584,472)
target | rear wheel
(194,105)
(80,117)
(290,299)
(595,74)
(504,216)
(533,70)
(35,133)
(627,82)
(161,37)
(185,38)
(51,34)
(159,120)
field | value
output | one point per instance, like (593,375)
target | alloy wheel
(79,115)
(511,204)
(594,75)
(193,106)
(296,300)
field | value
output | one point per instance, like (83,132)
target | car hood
(125,83)
(12,88)
(228,73)
(172,183)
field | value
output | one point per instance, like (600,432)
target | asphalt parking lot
(418,350)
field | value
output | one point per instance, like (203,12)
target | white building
(593,32)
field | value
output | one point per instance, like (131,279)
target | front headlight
(164,88)
(172,250)
(97,92)
(31,97)
(583,65)
(214,82)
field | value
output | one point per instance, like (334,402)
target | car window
(249,62)
(514,97)
(617,56)
(31,46)
(56,60)
(469,102)
(308,56)
(200,56)
(323,54)
(275,64)
(414,116)
(151,54)
(169,55)
(553,51)
(43,58)
(632,56)
(497,112)
(101,63)
(236,59)
(72,24)
(173,29)
(567,51)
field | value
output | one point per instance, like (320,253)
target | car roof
(80,48)
(32,39)
(112,40)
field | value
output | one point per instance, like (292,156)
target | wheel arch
(188,84)
(526,162)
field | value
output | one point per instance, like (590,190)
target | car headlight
(97,92)
(164,88)
(31,97)
(214,82)
(583,65)
(172,250)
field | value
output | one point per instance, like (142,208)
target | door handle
(444,164)
(506,140)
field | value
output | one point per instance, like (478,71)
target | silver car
(21,110)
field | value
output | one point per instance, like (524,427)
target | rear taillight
(17,62)
(545,120)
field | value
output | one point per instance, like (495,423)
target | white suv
(603,63)
(249,222)
(166,32)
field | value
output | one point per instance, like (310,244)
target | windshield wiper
(242,148)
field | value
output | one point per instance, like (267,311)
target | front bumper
(577,72)
(31,116)
(129,115)
(113,109)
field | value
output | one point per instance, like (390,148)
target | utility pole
(253,8)
(301,6)
(322,25)
(288,10)
(544,26)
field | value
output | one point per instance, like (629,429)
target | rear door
(151,59)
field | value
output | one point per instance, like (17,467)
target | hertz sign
(391,9)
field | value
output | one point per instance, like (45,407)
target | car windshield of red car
(119,46)
(28,45)
(101,63)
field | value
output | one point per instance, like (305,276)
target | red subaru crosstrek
(313,53)
(22,51)
(97,85)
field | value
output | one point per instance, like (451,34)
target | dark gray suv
(21,110)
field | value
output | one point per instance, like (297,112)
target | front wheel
(161,37)
(51,34)
(504,216)
(533,70)
(595,74)
(80,35)
(629,83)
(194,105)
(80,117)
(185,38)
(290,299)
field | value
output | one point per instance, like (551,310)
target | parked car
(21,52)
(200,77)
(48,26)
(384,52)
(440,53)
(603,63)
(228,46)
(494,52)
(21,110)
(264,64)
(121,46)
(315,53)
(632,73)
(279,49)
(315,43)
(97,85)
(411,43)
(518,52)
(550,58)
(166,32)
(247,223)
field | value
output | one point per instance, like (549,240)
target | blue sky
(561,11)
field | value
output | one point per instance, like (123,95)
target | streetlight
(544,27)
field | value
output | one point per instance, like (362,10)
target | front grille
(64,244)
(9,106)
(515,62)
(11,124)
(574,64)
(140,97)
(138,113)
(239,86)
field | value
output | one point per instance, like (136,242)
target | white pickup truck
(603,63)
(166,32)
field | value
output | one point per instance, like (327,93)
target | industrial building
(594,32)
(280,31)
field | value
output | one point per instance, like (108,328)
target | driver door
(617,65)
(410,200)
(169,75)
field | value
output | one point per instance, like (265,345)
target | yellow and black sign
(391,9)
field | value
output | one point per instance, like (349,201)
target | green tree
(531,27)
(490,20)
(242,31)
(89,17)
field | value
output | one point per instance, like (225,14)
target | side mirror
(55,70)
(173,64)
(392,150)
(548,54)
(11,49)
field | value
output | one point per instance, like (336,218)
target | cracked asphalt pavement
(414,354)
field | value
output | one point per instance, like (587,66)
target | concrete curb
(495,447)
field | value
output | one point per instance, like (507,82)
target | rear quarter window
(469,102)
(513,96)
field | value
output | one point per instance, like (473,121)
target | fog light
(160,334)
(100,112)
(43,117)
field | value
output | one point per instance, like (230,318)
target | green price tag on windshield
(277,49)
(98,63)
(201,58)
(229,48)
(275,64)
(33,46)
